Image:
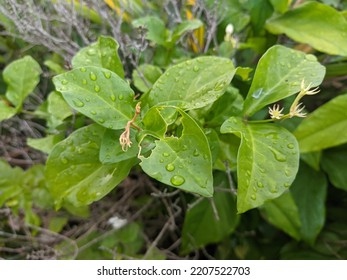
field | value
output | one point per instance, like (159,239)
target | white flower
(275,112)
(229,29)
(117,222)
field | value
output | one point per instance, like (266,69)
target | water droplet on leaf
(64,82)
(177,180)
(196,68)
(96,88)
(166,154)
(253,197)
(82,69)
(257,93)
(170,167)
(107,74)
(196,153)
(92,76)
(78,103)
(64,160)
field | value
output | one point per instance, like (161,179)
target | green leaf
(74,173)
(57,106)
(10,182)
(318,25)
(309,191)
(98,94)
(202,226)
(283,213)
(268,160)
(334,162)
(155,122)
(44,144)
(279,74)
(312,159)
(280,6)
(6,111)
(184,27)
(150,74)
(103,53)
(183,162)
(111,150)
(326,127)
(21,77)
(156,31)
(192,84)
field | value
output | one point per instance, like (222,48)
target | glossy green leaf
(309,191)
(267,162)
(326,127)
(313,159)
(155,28)
(21,77)
(103,53)
(74,172)
(279,74)
(183,162)
(98,94)
(283,213)
(111,150)
(147,76)
(334,162)
(192,84)
(316,24)
(202,226)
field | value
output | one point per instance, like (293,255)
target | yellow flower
(275,112)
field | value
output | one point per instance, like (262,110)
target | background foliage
(210,175)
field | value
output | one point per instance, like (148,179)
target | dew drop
(91,52)
(121,97)
(78,103)
(257,93)
(188,62)
(108,156)
(170,167)
(290,146)
(161,160)
(107,74)
(92,76)
(93,113)
(96,88)
(84,81)
(64,82)
(185,147)
(87,99)
(205,156)
(196,68)
(177,180)
(80,151)
(286,185)
(196,153)
(64,160)
(219,86)
(166,154)
(278,156)
(82,69)
(101,120)
(260,185)
(253,197)
(113,97)
(287,172)
(274,190)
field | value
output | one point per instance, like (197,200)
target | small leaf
(283,213)
(103,53)
(98,94)
(280,6)
(309,191)
(155,123)
(202,227)
(183,162)
(21,77)
(111,150)
(184,27)
(6,111)
(193,83)
(156,31)
(74,173)
(268,160)
(150,74)
(326,127)
(316,24)
(334,162)
(279,74)
(44,144)
(57,106)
